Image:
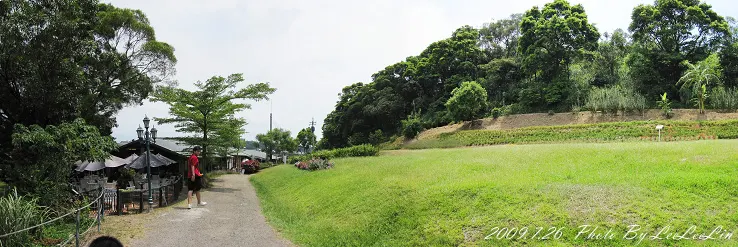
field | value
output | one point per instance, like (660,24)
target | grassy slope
(599,132)
(455,196)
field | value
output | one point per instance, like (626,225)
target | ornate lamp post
(147,137)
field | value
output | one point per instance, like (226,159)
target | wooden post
(76,231)
(118,204)
(141,202)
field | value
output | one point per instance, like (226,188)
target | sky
(310,50)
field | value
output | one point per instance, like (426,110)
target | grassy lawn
(451,197)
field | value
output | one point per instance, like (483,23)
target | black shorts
(194,185)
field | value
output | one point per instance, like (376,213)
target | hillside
(560,119)
(459,197)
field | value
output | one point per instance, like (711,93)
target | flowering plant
(314,164)
(250,166)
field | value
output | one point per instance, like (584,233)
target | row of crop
(602,132)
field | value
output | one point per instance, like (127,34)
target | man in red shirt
(194,177)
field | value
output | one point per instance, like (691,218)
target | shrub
(411,127)
(496,112)
(314,165)
(17,213)
(467,102)
(251,166)
(41,158)
(665,105)
(355,151)
(126,175)
(724,99)
(376,137)
(614,99)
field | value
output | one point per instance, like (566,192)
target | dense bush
(615,99)
(42,157)
(411,127)
(355,151)
(496,112)
(377,137)
(251,166)
(468,101)
(16,213)
(602,132)
(724,99)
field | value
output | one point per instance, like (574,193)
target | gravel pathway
(232,217)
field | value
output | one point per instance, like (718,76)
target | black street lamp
(147,137)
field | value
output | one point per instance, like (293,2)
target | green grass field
(451,197)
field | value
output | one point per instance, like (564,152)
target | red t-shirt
(192,163)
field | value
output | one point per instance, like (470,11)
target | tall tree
(57,63)
(227,138)
(502,80)
(729,55)
(277,141)
(306,139)
(551,38)
(609,57)
(209,112)
(667,33)
(500,38)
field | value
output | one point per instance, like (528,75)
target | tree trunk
(205,144)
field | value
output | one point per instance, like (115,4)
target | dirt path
(231,218)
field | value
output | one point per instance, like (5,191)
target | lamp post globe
(153,133)
(140,132)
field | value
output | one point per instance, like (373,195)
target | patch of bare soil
(570,118)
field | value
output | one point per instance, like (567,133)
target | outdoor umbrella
(131,158)
(166,160)
(140,162)
(111,161)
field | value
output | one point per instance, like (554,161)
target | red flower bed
(250,166)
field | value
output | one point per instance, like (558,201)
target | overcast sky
(310,50)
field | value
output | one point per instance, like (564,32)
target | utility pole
(269,149)
(312,125)
(270,115)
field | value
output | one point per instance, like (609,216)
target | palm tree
(699,76)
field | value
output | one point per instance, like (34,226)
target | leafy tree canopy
(469,101)
(668,33)
(277,141)
(306,139)
(43,157)
(209,112)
